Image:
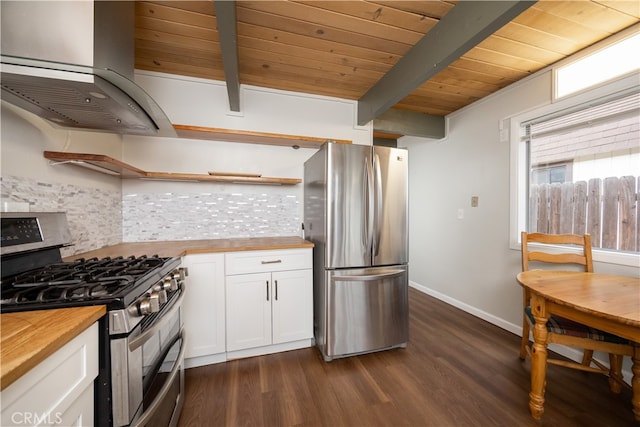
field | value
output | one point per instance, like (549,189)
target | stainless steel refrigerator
(356,213)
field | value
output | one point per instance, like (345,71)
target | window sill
(619,258)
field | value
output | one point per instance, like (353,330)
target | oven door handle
(153,408)
(141,339)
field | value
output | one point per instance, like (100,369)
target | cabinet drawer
(266,261)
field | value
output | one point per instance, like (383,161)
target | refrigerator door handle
(377,203)
(369,204)
(368,277)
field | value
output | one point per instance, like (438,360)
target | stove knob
(170,284)
(162,296)
(180,273)
(156,300)
(149,304)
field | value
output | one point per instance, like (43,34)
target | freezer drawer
(366,310)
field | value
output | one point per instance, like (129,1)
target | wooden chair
(564,331)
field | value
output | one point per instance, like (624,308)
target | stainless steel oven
(147,370)
(141,369)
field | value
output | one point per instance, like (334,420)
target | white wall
(202,102)
(470,262)
(25,137)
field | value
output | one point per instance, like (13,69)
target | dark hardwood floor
(457,371)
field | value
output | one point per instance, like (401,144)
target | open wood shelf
(235,179)
(249,137)
(111,166)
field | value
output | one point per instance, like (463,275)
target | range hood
(72,63)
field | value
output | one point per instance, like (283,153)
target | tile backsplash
(206,215)
(94,215)
(100,218)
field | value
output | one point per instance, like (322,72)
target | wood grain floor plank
(458,370)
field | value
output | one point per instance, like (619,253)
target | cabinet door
(248,311)
(59,389)
(292,305)
(203,309)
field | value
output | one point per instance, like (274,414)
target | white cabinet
(59,390)
(245,303)
(249,316)
(292,306)
(203,309)
(269,297)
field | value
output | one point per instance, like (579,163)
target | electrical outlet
(474,201)
(460,213)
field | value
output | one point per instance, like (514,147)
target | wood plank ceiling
(344,48)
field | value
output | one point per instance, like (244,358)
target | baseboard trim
(194,362)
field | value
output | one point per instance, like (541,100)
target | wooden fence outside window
(605,208)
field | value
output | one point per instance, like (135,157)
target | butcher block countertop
(186,247)
(29,337)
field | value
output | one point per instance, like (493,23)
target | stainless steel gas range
(141,375)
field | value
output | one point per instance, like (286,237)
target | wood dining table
(607,302)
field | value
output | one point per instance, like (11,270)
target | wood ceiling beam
(228,36)
(466,25)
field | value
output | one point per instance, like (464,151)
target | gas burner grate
(80,280)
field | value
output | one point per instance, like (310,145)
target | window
(551,174)
(615,60)
(583,172)
(575,160)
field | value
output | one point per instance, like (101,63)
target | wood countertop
(185,247)
(29,337)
